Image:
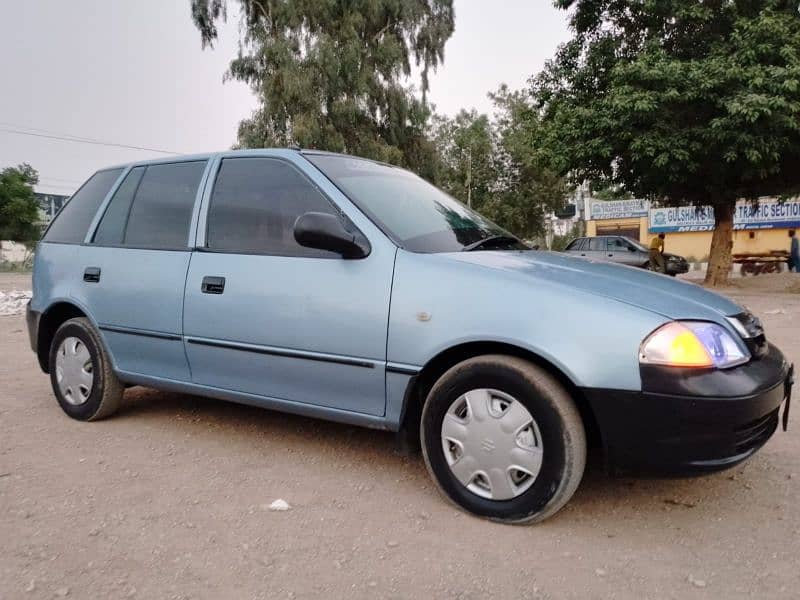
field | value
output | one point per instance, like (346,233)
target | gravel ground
(170,499)
(15,281)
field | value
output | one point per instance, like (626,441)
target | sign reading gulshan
(769,214)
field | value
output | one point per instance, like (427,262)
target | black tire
(106,393)
(558,419)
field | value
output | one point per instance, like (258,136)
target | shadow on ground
(689,502)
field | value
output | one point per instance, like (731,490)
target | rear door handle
(611,255)
(213,285)
(92,275)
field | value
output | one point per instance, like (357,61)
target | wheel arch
(422,382)
(51,319)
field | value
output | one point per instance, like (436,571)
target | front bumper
(677,267)
(692,421)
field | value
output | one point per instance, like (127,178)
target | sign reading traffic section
(769,214)
(618,209)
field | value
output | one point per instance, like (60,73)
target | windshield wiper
(492,239)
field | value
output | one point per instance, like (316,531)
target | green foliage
(680,101)
(19,211)
(329,73)
(677,100)
(610,192)
(560,242)
(526,188)
(465,146)
(493,166)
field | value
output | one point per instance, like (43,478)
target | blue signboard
(769,214)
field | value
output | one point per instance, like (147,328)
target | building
(49,205)
(618,217)
(758,229)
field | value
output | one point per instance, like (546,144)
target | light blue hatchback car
(345,289)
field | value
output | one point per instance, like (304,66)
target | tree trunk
(720,256)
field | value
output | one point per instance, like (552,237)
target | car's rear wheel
(80,372)
(503,439)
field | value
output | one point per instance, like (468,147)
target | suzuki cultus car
(345,289)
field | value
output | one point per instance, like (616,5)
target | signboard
(682,218)
(769,214)
(618,209)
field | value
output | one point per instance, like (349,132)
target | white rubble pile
(13,302)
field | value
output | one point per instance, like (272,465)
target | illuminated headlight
(692,344)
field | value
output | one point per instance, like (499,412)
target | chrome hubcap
(74,371)
(492,444)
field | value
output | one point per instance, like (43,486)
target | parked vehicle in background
(346,289)
(623,250)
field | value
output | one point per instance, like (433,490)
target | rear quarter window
(72,222)
(574,245)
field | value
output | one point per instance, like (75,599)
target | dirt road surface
(169,499)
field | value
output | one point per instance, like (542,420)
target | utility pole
(469,177)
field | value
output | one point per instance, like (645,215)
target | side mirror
(631,249)
(325,232)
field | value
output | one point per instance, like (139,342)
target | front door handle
(611,255)
(213,285)
(92,275)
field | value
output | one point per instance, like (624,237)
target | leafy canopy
(465,147)
(678,100)
(330,74)
(493,163)
(19,211)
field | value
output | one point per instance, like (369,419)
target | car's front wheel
(503,439)
(80,372)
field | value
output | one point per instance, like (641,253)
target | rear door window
(162,207)
(72,222)
(597,244)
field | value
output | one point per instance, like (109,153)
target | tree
(526,188)
(465,146)
(679,101)
(329,74)
(491,165)
(19,211)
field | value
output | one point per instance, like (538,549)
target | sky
(134,73)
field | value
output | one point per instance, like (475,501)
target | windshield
(416,214)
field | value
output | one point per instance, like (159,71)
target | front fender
(438,303)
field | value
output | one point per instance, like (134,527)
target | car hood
(665,295)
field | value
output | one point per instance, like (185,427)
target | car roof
(234,153)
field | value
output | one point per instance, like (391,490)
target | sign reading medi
(769,214)
(618,209)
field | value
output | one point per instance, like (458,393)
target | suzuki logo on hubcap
(487,445)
